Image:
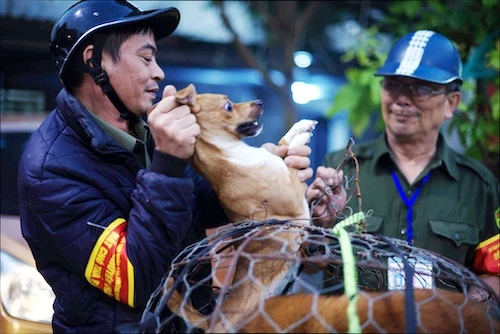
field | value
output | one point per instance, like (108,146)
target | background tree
(285,24)
(477,118)
(290,26)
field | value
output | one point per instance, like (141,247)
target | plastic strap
(101,77)
(349,269)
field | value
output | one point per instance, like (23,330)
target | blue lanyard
(409,201)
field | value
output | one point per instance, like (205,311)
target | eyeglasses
(420,93)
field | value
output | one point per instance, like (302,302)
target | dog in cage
(435,296)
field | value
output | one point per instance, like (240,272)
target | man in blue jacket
(106,199)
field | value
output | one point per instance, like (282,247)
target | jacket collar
(444,157)
(124,139)
(79,119)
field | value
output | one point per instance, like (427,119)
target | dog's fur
(253,184)
(437,311)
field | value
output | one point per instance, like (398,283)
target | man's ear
(187,96)
(87,53)
(452,101)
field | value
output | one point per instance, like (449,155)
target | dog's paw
(299,133)
(300,139)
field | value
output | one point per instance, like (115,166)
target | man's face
(407,114)
(136,74)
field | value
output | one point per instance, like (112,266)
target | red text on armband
(109,268)
(487,257)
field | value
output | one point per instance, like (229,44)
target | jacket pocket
(458,232)
(373,223)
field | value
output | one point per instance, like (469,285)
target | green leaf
(352,75)
(375,91)
(494,58)
(478,132)
(489,3)
(437,7)
(359,125)
(345,100)
(408,8)
(365,78)
(495,106)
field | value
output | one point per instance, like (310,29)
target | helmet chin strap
(101,78)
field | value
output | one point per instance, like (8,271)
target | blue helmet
(424,55)
(85,18)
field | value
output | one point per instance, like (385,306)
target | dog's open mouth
(249,129)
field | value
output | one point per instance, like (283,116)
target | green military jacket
(452,214)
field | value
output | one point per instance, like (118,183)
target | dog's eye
(228,106)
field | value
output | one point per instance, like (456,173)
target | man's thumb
(280,150)
(169,90)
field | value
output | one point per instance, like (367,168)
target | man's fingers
(330,176)
(300,150)
(164,105)
(169,90)
(297,161)
(327,194)
(167,99)
(193,130)
(325,172)
(168,105)
(183,116)
(305,174)
(312,194)
(275,149)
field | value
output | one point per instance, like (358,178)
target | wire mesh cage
(372,283)
(292,276)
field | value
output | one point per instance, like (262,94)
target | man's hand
(327,196)
(295,157)
(173,127)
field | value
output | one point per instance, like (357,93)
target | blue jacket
(102,230)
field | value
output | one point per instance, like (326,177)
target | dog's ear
(187,96)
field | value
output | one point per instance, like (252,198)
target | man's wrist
(167,164)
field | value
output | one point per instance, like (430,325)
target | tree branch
(309,11)
(246,53)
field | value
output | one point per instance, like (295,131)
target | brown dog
(250,183)
(437,311)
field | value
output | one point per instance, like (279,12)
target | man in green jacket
(414,185)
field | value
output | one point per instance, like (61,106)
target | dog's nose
(258,103)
